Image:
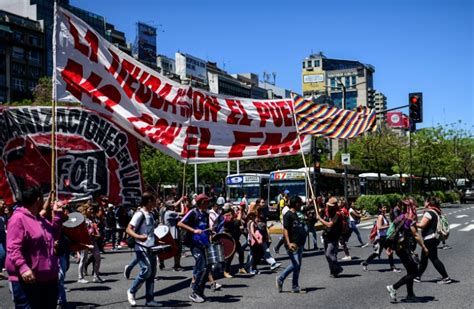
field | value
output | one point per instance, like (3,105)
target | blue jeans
(312,231)
(200,271)
(295,266)
(147,263)
(37,295)
(3,255)
(63,268)
(354,228)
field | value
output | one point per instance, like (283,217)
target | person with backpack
(404,235)
(170,219)
(382,226)
(332,223)
(141,228)
(431,231)
(196,224)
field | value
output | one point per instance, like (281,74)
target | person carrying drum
(141,228)
(196,224)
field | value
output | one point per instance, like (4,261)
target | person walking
(92,228)
(141,228)
(295,237)
(428,226)
(382,226)
(196,224)
(354,219)
(406,236)
(332,232)
(31,262)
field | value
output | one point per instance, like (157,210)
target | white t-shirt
(146,227)
(351,210)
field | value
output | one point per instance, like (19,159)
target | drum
(227,242)
(163,237)
(76,230)
(215,254)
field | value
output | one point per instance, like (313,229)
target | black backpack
(131,241)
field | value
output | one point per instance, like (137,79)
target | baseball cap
(202,197)
(286,191)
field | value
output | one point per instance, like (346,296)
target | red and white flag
(191,125)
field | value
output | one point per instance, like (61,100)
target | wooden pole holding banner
(184,180)
(306,169)
(53,108)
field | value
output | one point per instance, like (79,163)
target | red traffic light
(414,99)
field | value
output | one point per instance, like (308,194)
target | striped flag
(332,122)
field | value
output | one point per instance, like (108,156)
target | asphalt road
(354,289)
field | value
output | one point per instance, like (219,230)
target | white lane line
(367,227)
(454,225)
(468,228)
(462,216)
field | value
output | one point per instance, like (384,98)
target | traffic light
(415,101)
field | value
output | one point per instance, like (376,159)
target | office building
(22,56)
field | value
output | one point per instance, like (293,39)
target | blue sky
(415,45)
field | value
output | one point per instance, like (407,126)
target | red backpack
(373,233)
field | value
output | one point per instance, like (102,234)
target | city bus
(293,180)
(370,183)
(252,184)
(330,181)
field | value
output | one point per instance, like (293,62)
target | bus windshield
(236,192)
(295,188)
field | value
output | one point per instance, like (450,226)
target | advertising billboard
(146,42)
(188,66)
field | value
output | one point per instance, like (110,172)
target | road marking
(462,216)
(467,228)
(454,225)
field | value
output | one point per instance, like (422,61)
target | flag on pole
(332,122)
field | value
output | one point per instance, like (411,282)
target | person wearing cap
(196,224)
(332,223)
(220,200)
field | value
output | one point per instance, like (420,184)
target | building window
(3,80)
(34,40)
(35,72)
(18,69)
(309,63)
(333,82)
(32,85)
(348,82)
(18,53)
(304,64)
(317,63)
(18,84)
(354,80)
(34,56)
(18,36)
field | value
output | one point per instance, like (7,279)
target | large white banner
(191,125)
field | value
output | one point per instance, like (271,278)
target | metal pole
(411,178)
(345,141)
(228,168)
(238,167)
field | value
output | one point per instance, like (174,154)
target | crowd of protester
(36,254)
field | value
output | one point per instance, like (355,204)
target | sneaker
(365,245)
(152,304)
(119,247)
(131,298)
(279,284)
(446,280)
(215,286)
(82,280)
(298,290)
(417,279)
(97,279)
(126,272)
(346,258)
(254,272)
(364,266)
(242,271)
(162,266)
(392,292)
(228,275)
(275,266)
(446,247)
(276,251)
(396,270)
(196,298)
(178,268)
